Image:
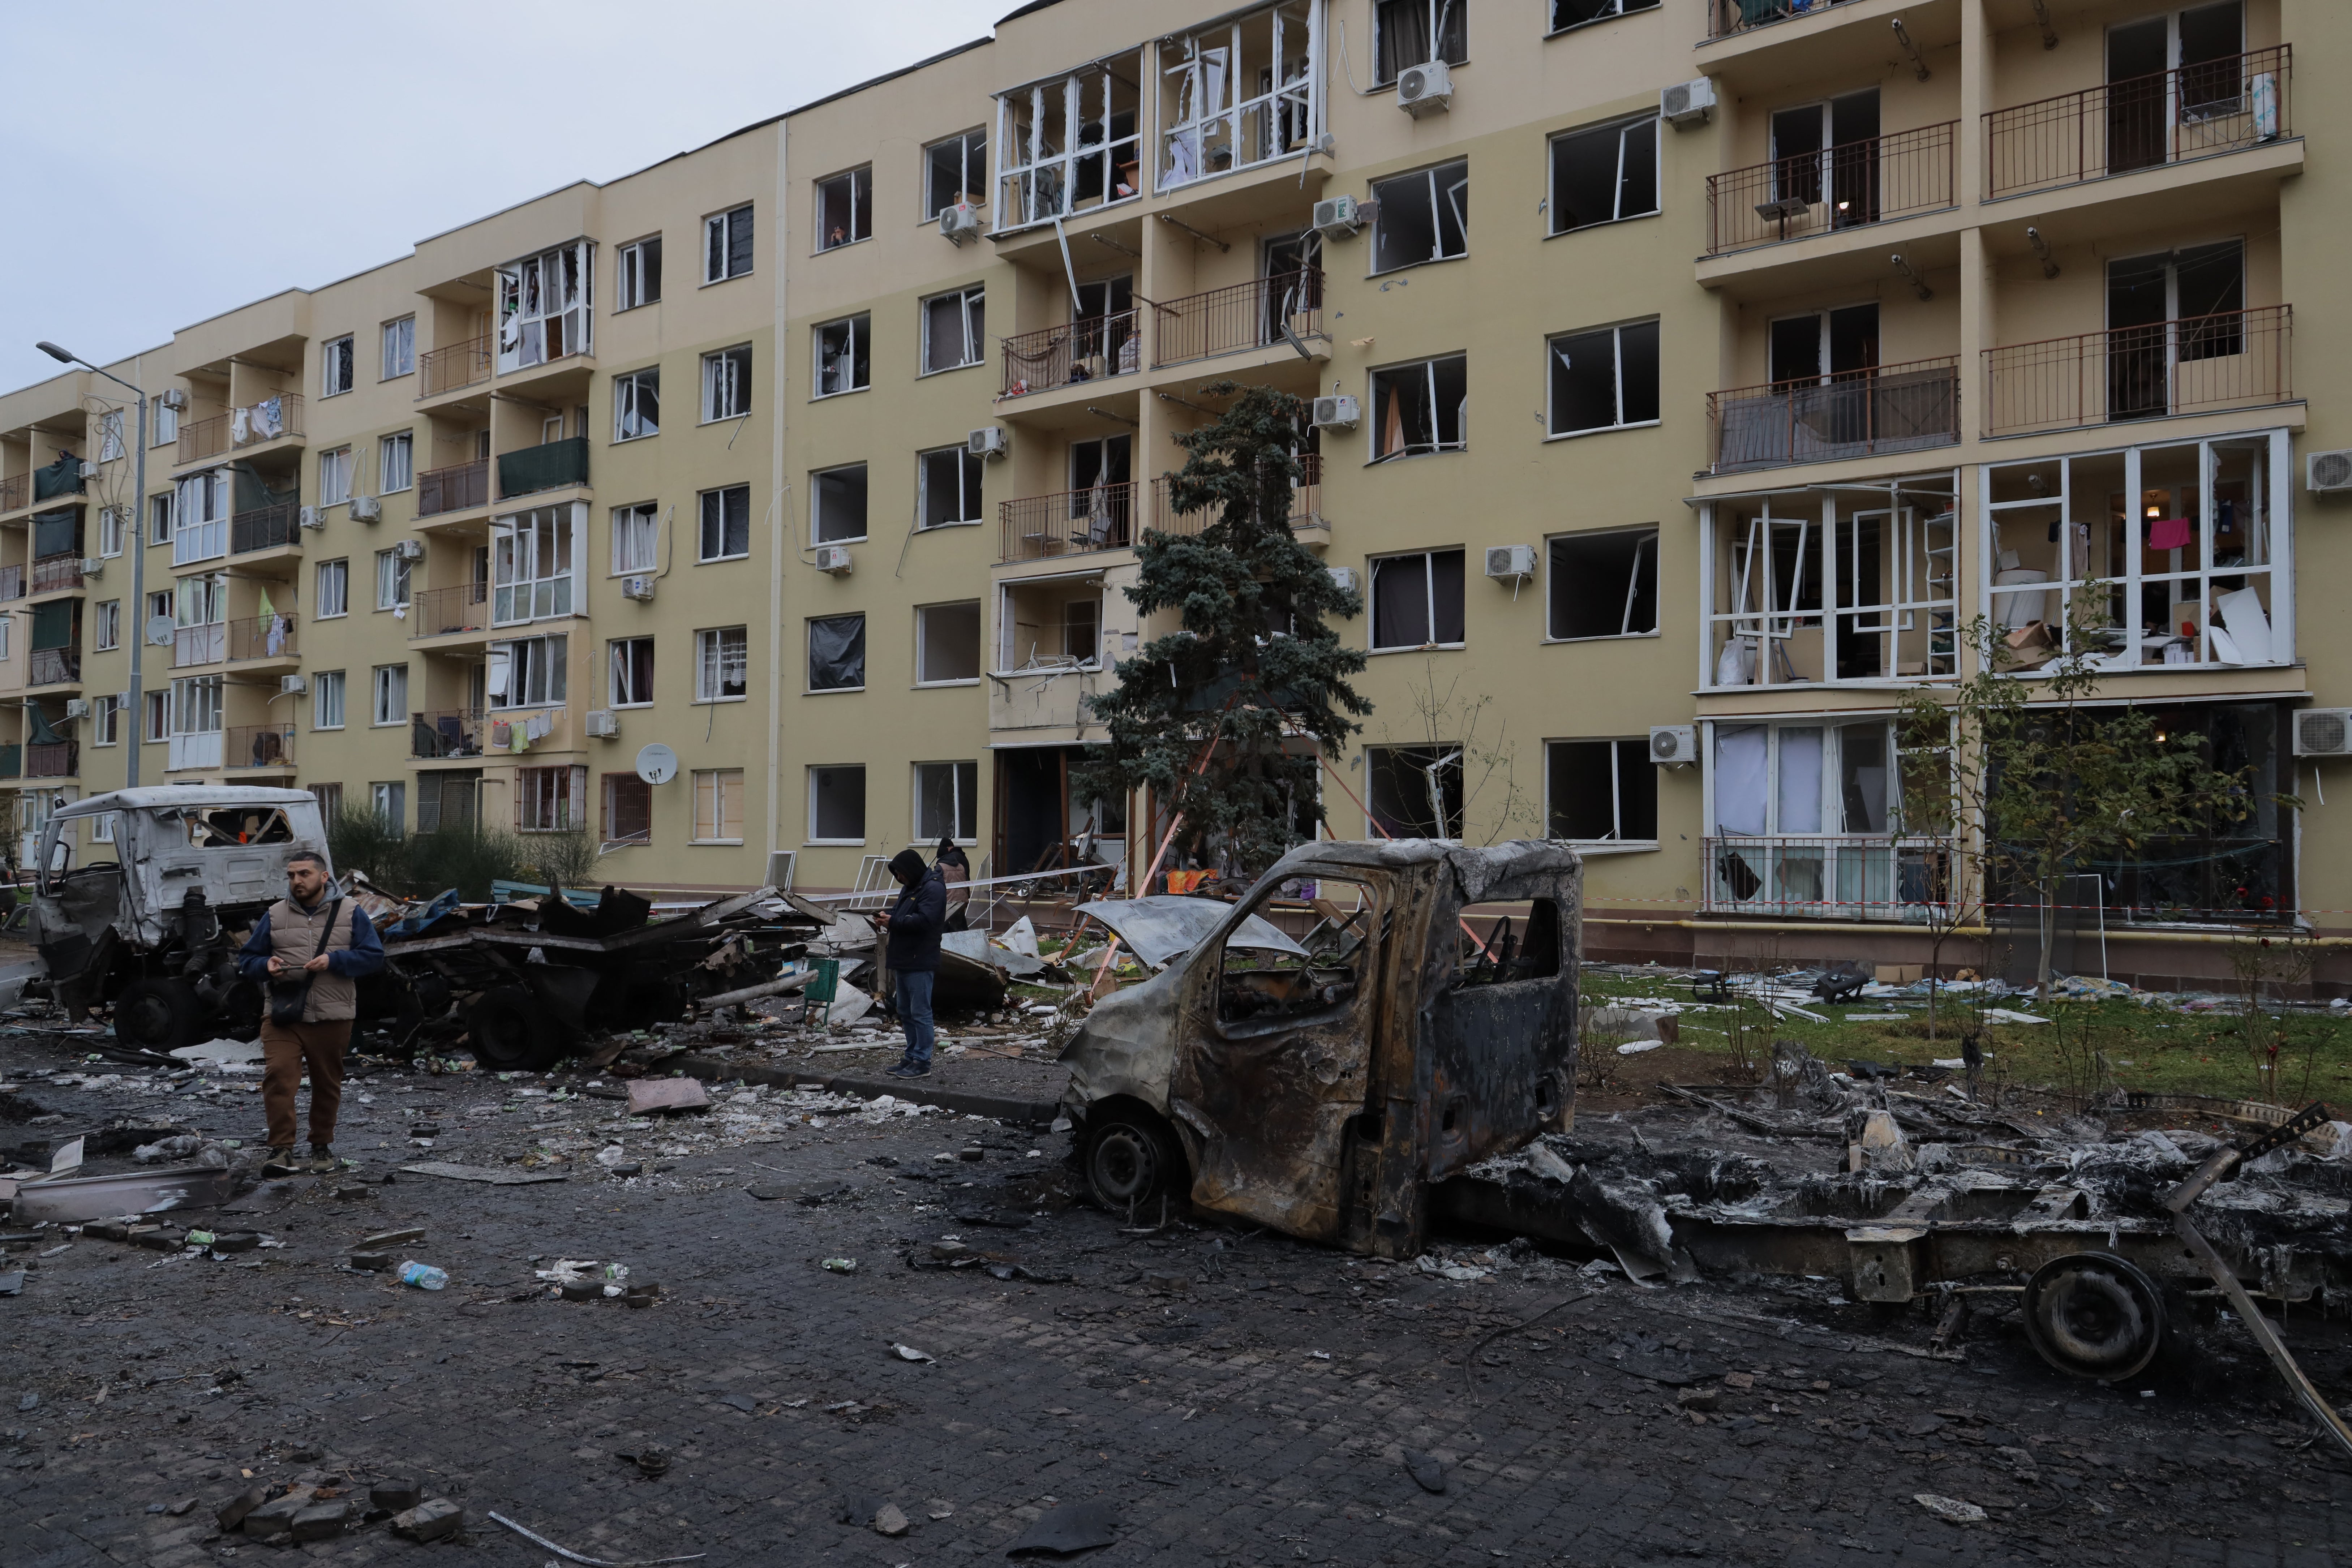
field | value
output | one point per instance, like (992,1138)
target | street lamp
(137,529)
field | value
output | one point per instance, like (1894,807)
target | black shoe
(322,1157)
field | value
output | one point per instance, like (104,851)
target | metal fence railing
(1824,878)
(1238,317)
(259,746)
(263,636)
(2238,358)
(438,612)
(450,369)
(53,665)
(52,760)
(15,491)
(1852,414)
(1837,188)
(2141,122)
(445,733)
(1726,17)
(264,527)
(453,489)
(51,572)
(1086,350)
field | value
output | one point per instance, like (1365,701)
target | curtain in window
(1740,784)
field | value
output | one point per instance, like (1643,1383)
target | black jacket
(916,921)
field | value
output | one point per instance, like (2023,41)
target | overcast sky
(289,145)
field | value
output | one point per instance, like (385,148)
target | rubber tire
(1132,1161)
(157,1013)
(2093,1315)
(510,1031)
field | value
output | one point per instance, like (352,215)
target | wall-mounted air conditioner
(89,470)
(310,516)
(292,685)
(959,222)
(93,565)
(366,509)
(832,558)
(173,399)
(1345,576)
(603,723)
(410,550)
(2322,732)
(77,707)
(639,587)
(1339,217)
(2325,471)
(1687,103)
(1673,745)
(988,441)
(1426,90)
(1514,562)
(1335,412)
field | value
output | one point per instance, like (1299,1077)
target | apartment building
(1833,325)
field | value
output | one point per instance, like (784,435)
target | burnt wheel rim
(2095,1317)
(1125,1164)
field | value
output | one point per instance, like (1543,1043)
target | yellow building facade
(1798,336)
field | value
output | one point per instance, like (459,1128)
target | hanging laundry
(2168,533)
(501,732)
(269,418)
(240,425)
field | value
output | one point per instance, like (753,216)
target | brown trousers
(286,1050)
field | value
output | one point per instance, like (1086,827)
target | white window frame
(1201,101)
(629,288)
(1615,838)
(105,626)
(620,686)
(111,530)
(196,737)
(719,778)
(395,462)
(1037,170)
(527,303)
(1622,127)
(335,476)
(922,636)
(816,520)
(974,316)
(720,226)
(156,724)
(637,524)
(630,420)
(971,160)
(536,564)
(110,435)
(1447,193)
(158,522)
(337,366)
(865,661)
(164,424)
(727,383)
(389,801)
(1429,597)
(399,348)
(551,799)
(704,504)
(967,493)
(200,508)
(862,174)
(394,580)
(106,729)
(333,594)
(528,672)
(956,809)
(714,655)
(865,806)
(856,326)
(1647,537)
(1428,368)
(387,695)
(329,699)
(1552,347)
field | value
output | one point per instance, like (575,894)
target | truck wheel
(512,1031)
(1131,1160)
(157,1013)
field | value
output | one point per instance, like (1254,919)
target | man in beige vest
(328,943)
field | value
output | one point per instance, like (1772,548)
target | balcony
(12,583)
(52,572)
(551,465)
(1900,881)
(199,645)
(270,746)
(11,762)
(1237,317)
(262,421)
(264,527)
(54,666)
(1306,502)
(448,612)
(52,760)
(1081,522)
(453,368)
(15,492)
(445,733)
(1087,349)
(262,637)
(1840,188)
(2142,123)
(1726,17)
(2199,365)
(459,488)
(1854,414)
(197,749)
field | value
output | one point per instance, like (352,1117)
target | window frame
(719,777)
(723,223)
(1623,8)
(321,683)
(552,796)
(340,351)
(106,729)
(395,574)
(403,441)
(536,570)
(1642,767)
(860,331)
(1617,329)
(338,462)
(865,824)
(709,645)
(862,172)
(105,626)
(1427,556)
(922,639)
(971,480)
(719,373)
(961,805)
(110,444)
(527,658)
(624,521)
(703,502)
(613,784)
(628,393)
(974,315)
(816,495)
(384,680)
(629,267)
(1650,532)
(111,531)
(965,155)
(614,660)
(163,423)
(1656,123)
(1438,10)
(406,341)
(808,639)
(1437,446)
(1437,228)
(342,569)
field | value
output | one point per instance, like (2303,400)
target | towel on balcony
(268,419)
(240,425)
(538,726)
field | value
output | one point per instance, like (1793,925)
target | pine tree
(1253,662)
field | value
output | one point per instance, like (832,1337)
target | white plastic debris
(909,1352)
(2004,1015)
(1635,1047)
(1950,1509)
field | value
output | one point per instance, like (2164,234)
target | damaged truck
(154,936)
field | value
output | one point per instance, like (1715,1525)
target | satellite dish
(656,764)
(159,630)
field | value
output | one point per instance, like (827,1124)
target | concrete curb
(1001,1107)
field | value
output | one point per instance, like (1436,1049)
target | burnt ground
(1242,1399)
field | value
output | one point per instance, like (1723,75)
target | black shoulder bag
(288,994)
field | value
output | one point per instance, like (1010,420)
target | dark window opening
(1605,584)
(1605,379)
(1575,13)
(844,209)
(1417,599)
(1402,31)
(1602,791)
(1422,407)
(1604,175)
(1423,216)
(1414,792)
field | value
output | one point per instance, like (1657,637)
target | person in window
(955,871)
(913,929)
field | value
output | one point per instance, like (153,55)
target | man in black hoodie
(913,927)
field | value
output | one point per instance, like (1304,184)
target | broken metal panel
(68,1200)
(1160,928)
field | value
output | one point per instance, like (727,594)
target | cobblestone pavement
(1241,1398)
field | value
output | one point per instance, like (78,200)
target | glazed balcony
(1829,879)
(1852,414)
(2197,364)
(1843,187)
(199,645)
(2142,123)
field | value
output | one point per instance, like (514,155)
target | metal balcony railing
(52,760)
(264,527)
(2141,122)
(263,636)
(53,665)
(440,612)
(51,572)
(1069,523)
(1087,349)
(453,489)
(2240,359)
(199,645)
(445,733)
(1852,414)
(12,583)
(448,370)
(260,746)
(1837,188)
(278,415)
(1823,878)
(15,491)
(1726,17)
(1237,317)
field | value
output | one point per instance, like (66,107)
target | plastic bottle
(424,1276)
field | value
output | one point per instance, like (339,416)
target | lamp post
(137,529)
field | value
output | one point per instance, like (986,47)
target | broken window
(636,404)
(953,330)
(949,477)
(947,643)
(841,357)
(1415,32)
(1804,820)
(1068,144)
(1605,379)
(528,672)
(1051,624)
(838,504)
(726,528)
(545,306)
(391,580)
(719,805)
(1603,584)
(947,802)
(1421,407)
(1417,599)
(1423,216)
(635,531)
(547,800)
(727,383)
(640,279)
(844,209)
(532,564)
(337,358)
(1604,175)
(1235,94)
(628,809)
(399,347)
(721,661)
(955,169)
(1414,792)
(1568,14)
(1601,791)
(837,805)
(630,661)
(1258,982)
(727,245)
(836,653)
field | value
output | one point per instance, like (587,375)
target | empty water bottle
(424,1276)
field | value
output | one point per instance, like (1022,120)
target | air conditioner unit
(2325,472)
(292,685)
(366,509)
(832,558)
(1673,745)
(409,549)
(640,588)
(1424,89)
(89,470)
(92,565)
(1335,412)
(310,517)
(603,724)
(2322,732)
(77,707)
(1517,562)
(959,222)
(988,441)
(1345,576)
(1339,217)
(174,399)
(1687,103)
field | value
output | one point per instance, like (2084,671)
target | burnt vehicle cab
(1322,1087)
(154,931)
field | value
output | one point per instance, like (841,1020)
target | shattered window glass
(1256,983)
